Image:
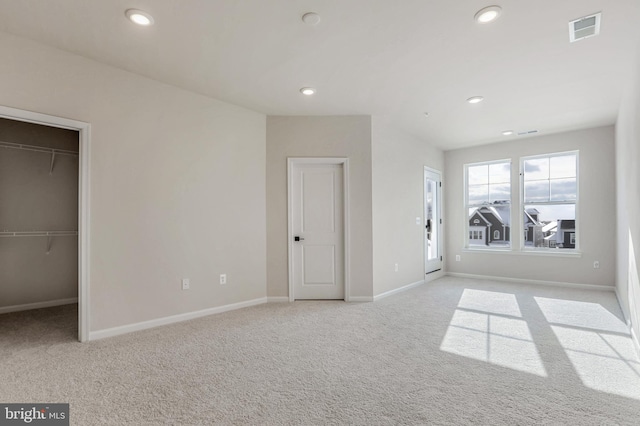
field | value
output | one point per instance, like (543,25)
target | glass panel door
(432,220)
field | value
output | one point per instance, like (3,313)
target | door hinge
(440,258)
(440,184)
(440,221)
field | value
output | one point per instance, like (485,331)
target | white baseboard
(360,299)
(623,309)
(278,299)
(535,282)
(116,331)
(37,305)
(627,320)
(397,290)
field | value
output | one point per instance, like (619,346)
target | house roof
(567,224)
(529,218)
(549,226)
(477,213)
(394,60)
(501,212)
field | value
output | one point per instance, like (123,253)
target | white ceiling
(390,58)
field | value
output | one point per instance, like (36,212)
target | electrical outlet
(596,265)
(186,283)
(223,279)
(395,267)
(457,258)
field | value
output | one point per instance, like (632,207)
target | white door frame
(291,161)
(440,219)
(84,130)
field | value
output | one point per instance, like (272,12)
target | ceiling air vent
(528,132)
(584,27)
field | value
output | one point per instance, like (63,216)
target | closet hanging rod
(37,148)
(38,233)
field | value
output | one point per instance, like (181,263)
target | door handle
(296,238)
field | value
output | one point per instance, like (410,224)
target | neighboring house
(549,231)
(566,233)
(490,225)
(533,235)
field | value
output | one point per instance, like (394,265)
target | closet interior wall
(38,195)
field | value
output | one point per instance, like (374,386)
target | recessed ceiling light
(311,18)
(426,114)
(308,91)
(475,99)
(488,14)
(507,132)
(139,17)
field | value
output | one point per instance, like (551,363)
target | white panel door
(317,225)
(432,220)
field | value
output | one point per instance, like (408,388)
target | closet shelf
(48,234)
(37,233)
(52,151)
(37,148)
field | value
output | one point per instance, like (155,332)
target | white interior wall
(398,199)
(596,212)
(162,207)
(628,201)
(329,136)
(176,184)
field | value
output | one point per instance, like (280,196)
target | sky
(546,179)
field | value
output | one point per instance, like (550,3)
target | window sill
(552,253)
(567,253)
(487,250)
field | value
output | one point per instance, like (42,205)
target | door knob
(296,238)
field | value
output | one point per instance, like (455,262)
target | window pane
(536,169)
(488,203)
(550,226)
(500,173)
(478,194)
(563,189)
(563,166)
(478,174)
(489,226)
(501,193)
(536,191)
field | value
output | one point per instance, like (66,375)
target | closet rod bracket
(53,159)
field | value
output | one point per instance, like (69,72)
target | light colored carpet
(451,352)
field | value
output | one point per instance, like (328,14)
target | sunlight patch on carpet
(604,362)
(490,302)
(495,339)
(580,314)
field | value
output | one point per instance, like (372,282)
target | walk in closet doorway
(42,213)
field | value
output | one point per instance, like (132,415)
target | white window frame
(576,204)
(467,206)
